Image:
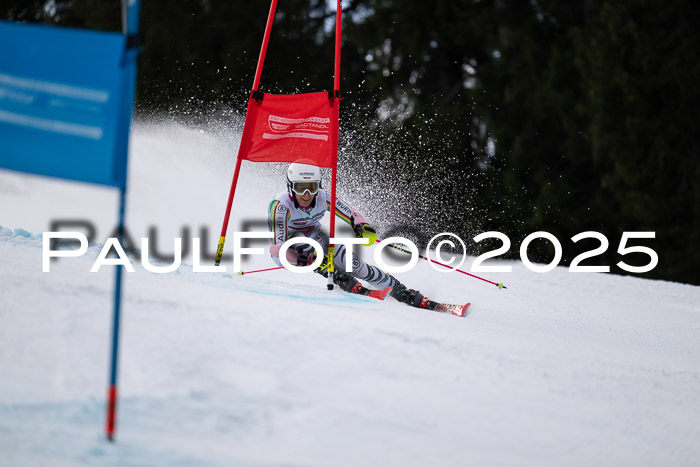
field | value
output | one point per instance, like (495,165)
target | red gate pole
(334,170)
(338,16)
(245,137)
(263,49)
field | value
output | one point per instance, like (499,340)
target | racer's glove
(305,259)
(364,230)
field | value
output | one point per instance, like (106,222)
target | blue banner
(66,98)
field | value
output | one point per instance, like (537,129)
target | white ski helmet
(302,177)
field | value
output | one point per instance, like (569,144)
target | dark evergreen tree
(639,67)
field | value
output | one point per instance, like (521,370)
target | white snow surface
(271,369)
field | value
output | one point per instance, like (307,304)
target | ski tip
(461,312)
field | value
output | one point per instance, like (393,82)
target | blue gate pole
(112,390)
(131,29)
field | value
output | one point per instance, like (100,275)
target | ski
(357,288)
(457,310)
(378,294)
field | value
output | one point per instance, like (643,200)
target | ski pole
(240,273)
(497,284)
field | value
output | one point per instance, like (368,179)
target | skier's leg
(378,278)
(366,272)
(409,296)
(361,270)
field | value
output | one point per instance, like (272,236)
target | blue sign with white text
(66,98)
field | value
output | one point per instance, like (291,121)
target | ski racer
(298,212)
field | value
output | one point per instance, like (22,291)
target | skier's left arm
(356,220)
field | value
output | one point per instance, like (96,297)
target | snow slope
(271,369)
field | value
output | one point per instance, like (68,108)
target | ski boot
(408,296)
(415,298)
(346,282)
(351,285)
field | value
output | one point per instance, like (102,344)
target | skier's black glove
(305,259)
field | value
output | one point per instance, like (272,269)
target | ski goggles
(301,188)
